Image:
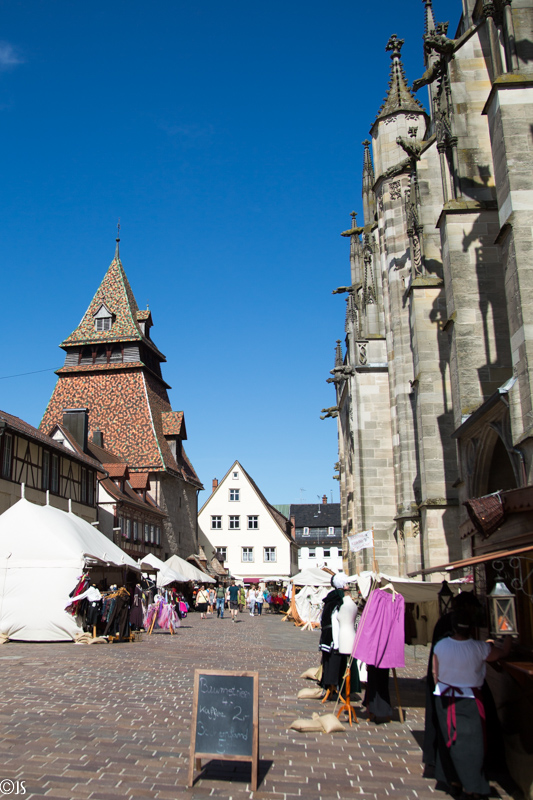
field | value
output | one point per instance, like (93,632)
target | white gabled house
(249,535)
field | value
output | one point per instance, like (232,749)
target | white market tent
(165,574)
(43,552)
(192,573)
(312,577)
(412,591)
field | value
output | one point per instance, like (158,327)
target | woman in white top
(251,601)
(459,666)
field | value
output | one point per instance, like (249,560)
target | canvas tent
(192,573)
(43,552)
(165,574)
(312,577)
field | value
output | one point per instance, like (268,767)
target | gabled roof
(316,515)
(281,521)
(20,426)
(115,293)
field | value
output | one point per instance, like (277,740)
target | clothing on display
(381,633)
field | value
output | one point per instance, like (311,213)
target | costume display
(162,615)
(137,612)
(380,642)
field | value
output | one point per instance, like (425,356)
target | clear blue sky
(227,138)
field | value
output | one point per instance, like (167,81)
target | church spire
(368,185)
(430,19)
(338,354)
(117,240)
(399,96)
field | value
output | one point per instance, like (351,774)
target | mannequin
(346,615)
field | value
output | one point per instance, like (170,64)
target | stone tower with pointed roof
(113,369)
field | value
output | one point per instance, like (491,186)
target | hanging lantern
(502,611)
(445,599)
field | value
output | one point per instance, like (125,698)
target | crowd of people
(236,598)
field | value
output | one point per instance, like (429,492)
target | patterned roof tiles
(173,423)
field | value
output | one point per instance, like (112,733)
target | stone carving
(332,411)
(415,528)
(340,374)
(395,190)
(390,120)
(380,201)
(397,169)
(362,354)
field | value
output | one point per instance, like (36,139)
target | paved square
(106,721)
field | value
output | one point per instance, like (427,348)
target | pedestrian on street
(251,600)
(234,600)
(202,601)
(212,598)
(242,599)
(220,601)
(259,600)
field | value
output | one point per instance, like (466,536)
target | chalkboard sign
(225,722)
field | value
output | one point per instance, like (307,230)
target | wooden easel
(346,704)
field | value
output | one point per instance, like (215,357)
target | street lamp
(445,599)
(502,611)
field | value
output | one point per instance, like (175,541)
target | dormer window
(103,319)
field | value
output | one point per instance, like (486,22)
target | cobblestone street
(110,721)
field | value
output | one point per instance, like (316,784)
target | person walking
(251,600)
(220,601)
(242,599)
(459,667)
(259,600)
(202,601)
(233,592)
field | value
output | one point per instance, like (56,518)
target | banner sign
(360,541)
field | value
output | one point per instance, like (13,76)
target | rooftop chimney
(98,438)
(324,499)
(76,421)
(215,484)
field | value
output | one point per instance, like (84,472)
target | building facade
(49,468)
(434,394)
(250,537)
(439,300)
(318,534)
(112,371)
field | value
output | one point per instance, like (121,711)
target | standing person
(233,592)
(202,601)
(220,601)
(259,600)
(251,600)
(459,667)
(242,599)
(212,598)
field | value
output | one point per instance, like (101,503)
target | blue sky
(227,138)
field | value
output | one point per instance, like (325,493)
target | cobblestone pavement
(108,721)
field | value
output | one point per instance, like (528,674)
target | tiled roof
(143,315)
(127,365)
(173,423)
(130,498)
(139,480)
(116,294)
(20,426)
(307,514)
(116,469)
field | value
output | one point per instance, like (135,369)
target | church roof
(399,96)
(116,296)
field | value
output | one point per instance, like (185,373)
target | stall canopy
(312,577)
(191,572)
(165,574)
(43,552)
(412,591)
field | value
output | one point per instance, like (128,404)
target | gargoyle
(439,43)
(333,412)
(398,169)
(410,146)
(340,374)
(342,289)
(430,75)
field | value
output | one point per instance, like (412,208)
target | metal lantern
(445,599)
(502,611)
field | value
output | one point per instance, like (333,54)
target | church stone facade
(112,373)
(434,382)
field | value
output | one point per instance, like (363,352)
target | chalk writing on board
(224,716)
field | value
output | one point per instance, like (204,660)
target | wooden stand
(346,705)
(400,709)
